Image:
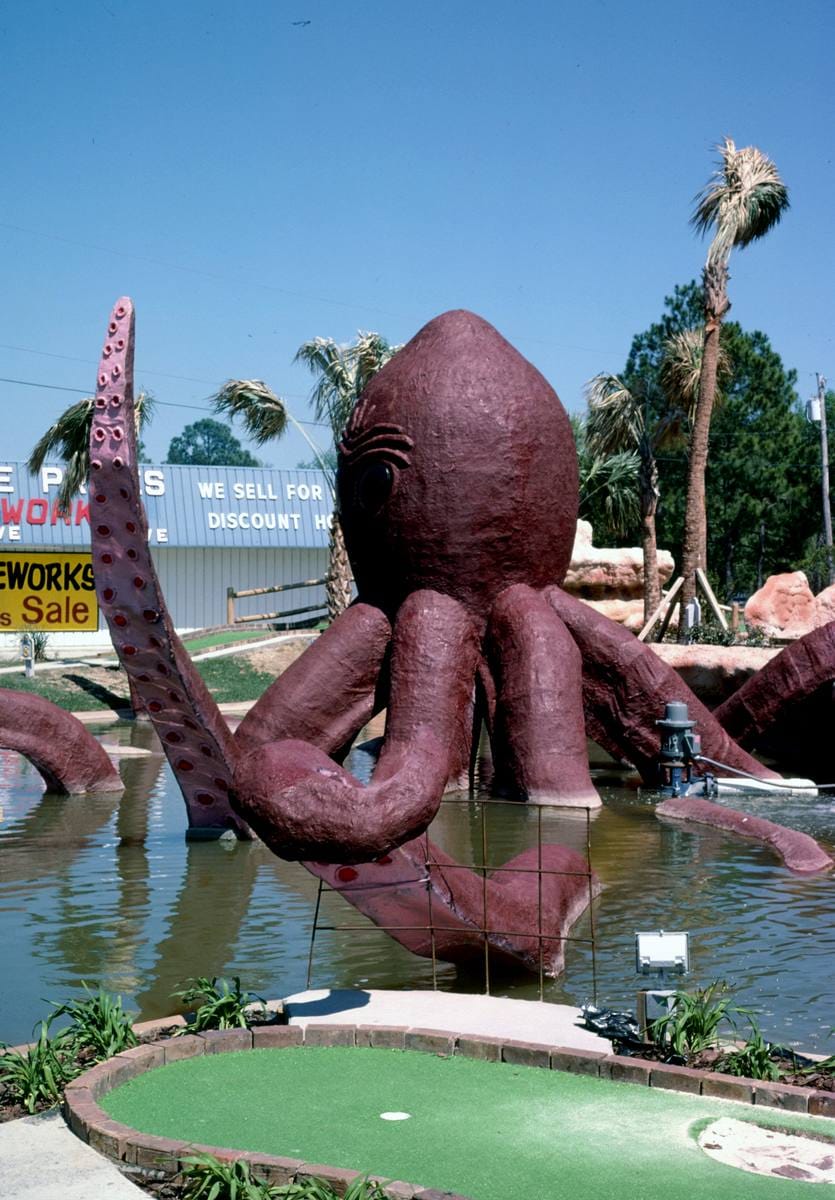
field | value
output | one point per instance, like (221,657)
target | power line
(55,387)
(270,287)
(145,370)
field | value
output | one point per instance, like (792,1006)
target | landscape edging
(148,1152)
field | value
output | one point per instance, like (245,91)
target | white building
(209,528)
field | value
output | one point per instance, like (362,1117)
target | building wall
(194,582)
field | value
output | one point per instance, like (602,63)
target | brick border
(146,1151)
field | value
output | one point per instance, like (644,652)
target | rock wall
(610,580)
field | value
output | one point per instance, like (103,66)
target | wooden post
(230,605)
(735,616)
(707,590)
(665,609)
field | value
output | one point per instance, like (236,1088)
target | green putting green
(488,1130)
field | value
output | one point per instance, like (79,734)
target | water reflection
(101,889)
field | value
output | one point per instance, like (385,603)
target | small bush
(218,1005)
(753,1060)
(694,1022)
(36,1077)
(207,1178)
(98,1024)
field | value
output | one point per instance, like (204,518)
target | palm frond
(615,420)
(68,439)
(743,200)
(263,413)
(342,373)
(681,369)
(612,483)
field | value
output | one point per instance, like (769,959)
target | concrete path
(452,1012)
(41,1160)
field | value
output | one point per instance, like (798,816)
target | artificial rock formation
(610,580)
(783,607)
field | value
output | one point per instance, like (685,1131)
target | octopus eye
(374,486)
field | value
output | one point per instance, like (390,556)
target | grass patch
(228,679)
(233,678)
(195,645)
(60,690)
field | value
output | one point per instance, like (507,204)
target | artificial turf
(490,1131)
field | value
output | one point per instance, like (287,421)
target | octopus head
(458,471)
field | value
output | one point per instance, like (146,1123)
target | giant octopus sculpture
(458,495)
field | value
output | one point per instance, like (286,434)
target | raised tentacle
(793,675)
(305,806)
(193,733)
(539,740)
(68,757)
(328,694)
(625,688)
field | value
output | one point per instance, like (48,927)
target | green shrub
(218,1005)
(36,1077)
(208,1178)
(98,1024)
(694,1021)
(753,1060)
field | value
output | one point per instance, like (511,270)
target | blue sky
(253,182)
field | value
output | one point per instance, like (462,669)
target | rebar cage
(480,807)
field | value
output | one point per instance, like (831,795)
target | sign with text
(53,592)
(206,507)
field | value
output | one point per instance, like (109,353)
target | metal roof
(186,506)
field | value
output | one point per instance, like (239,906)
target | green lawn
(229,679)
(487,1130)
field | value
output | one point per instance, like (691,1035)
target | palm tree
(742,202)
(69,440)
(643,421)
(342,373)
(623,420)
(608,486)
(680,371)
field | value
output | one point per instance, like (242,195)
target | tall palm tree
(68,439)
(341,373)
(744,200)
(680,372)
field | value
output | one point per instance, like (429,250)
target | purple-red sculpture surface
(68,757)
(458,495)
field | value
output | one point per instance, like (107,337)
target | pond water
(104,888)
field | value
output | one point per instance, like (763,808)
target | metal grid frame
(483,804)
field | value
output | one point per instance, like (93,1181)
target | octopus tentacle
(432,905)
(194,735)
(799,851)
(328,694)
(305,806)
(540,736)
(68,757)
(625,687)
(790,677)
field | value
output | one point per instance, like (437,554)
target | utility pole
(818,413)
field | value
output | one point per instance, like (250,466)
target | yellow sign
(55,592)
